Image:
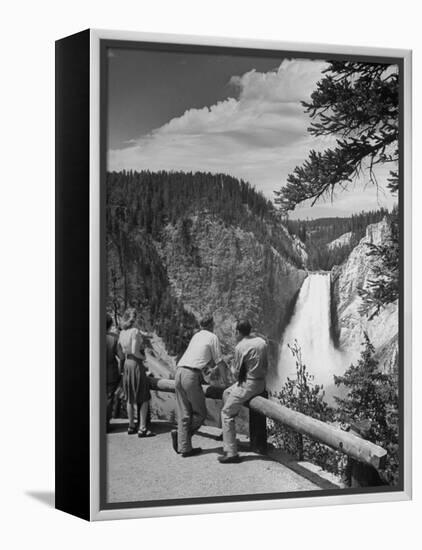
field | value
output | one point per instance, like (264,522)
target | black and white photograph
(211,302)
(253,274)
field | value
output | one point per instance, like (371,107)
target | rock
(340,241)
(347,279)
(300,248)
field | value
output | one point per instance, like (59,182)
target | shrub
(303,395)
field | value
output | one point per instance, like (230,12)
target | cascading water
(310,326)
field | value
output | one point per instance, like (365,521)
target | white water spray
(310,325)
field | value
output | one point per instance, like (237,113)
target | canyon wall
(349,323)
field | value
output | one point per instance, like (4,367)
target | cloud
(292,82)
(260,135)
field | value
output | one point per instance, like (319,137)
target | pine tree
(372,396)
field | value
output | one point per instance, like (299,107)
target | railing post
(258,430)
(363,475)
(359,474)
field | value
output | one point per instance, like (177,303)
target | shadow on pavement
(158,428)
(209,436)
(214,450)
(287,461)
(249,458)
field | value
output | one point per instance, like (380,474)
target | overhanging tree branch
(358,104)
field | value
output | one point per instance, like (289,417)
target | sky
(237,115)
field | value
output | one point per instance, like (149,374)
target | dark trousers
(111,389)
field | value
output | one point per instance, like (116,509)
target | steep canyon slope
(347,279)
(180,246)
(225,270)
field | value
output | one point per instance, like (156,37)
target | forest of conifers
(149,200)
(140,205)
(316,234)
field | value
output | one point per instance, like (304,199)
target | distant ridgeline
(319,235)
(146,209)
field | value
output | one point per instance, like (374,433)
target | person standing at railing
(250,366)
(135,381)
(112,367)
(202,353)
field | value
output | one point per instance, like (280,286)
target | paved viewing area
(149,469)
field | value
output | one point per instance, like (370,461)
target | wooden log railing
(349,443)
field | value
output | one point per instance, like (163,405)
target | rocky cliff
(350,324)
(340,241)
(222,269)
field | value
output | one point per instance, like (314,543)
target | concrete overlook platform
(148,468)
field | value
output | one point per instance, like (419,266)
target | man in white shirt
(202,353)
(250,367)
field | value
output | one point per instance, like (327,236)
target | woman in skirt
(135,381)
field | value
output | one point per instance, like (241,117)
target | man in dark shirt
(250,367)
(112,368)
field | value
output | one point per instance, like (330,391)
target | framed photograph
(233,274)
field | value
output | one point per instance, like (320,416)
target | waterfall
(310,325)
